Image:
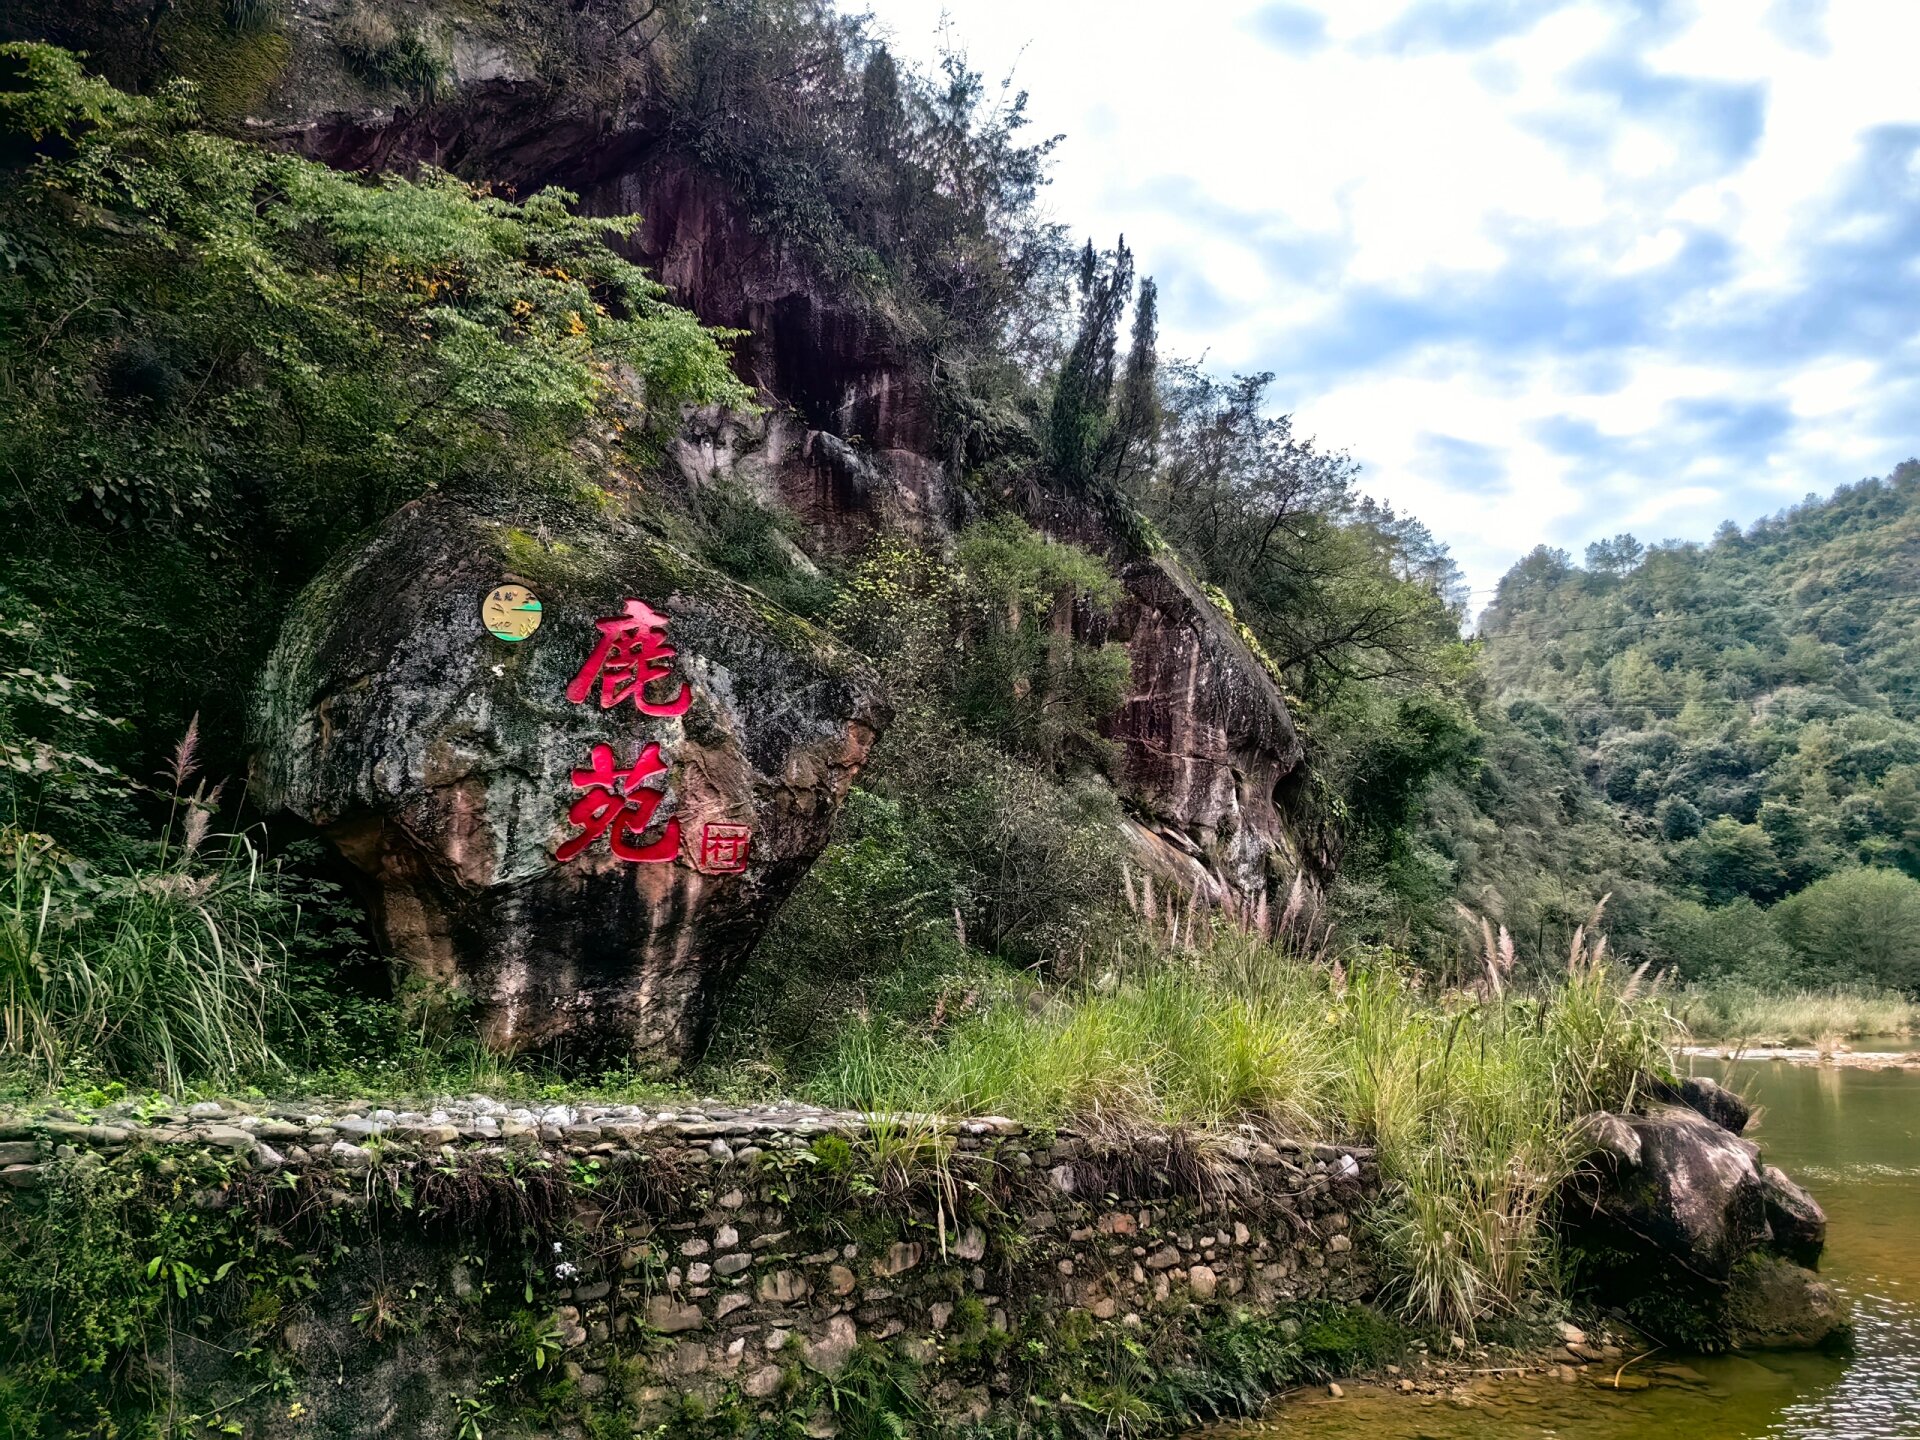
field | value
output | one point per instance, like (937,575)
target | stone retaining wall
(653,1264)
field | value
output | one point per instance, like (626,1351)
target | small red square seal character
(723,848)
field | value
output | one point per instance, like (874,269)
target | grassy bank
(1754,1015)
(1470,1097)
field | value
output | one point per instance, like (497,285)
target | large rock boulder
(582,829)
(1695,1196)
(1676,1220)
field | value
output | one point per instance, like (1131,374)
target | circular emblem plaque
(510,612)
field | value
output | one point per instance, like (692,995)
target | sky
(1548,269)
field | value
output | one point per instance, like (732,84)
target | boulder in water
(1676,1221)
(1798,1223)
(1695,1195)
(1774,1304)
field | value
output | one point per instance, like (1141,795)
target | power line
(1905,704)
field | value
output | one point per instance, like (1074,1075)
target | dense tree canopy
(1745,711)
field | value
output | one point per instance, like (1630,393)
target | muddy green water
(1852,1137)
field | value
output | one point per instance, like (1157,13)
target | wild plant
(169,971)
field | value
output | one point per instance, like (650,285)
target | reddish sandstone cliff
(1209,753)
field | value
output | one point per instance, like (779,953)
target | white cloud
(1488,195)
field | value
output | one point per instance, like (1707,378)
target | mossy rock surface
(1677,1224)
(1774,1304)
(447,763)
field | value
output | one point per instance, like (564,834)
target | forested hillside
(1708,731)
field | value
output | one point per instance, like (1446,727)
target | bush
(1856,925)
(959,867)
(1733,941)
(989,640)
(380,52)
(756,543)
(1034,864)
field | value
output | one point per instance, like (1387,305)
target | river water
(1850,1136)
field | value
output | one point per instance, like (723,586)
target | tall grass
(1472,1099)
(1752,1014)
(1167,1049)
(1474,1109)
(167,971)
(158,976)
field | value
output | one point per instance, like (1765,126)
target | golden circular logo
(510,612)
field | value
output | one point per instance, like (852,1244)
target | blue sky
(1548,270)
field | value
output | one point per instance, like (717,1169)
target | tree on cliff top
(1103,422)
(924,183)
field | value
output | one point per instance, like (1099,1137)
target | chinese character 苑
(723,848)
(619,805)
(632,654)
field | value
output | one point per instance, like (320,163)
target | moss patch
(234,66)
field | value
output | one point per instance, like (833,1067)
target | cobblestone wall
(660,1263)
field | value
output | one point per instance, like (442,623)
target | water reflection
(1853,1138)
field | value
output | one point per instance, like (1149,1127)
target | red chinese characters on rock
(619,804)
(632,654)
(723,848)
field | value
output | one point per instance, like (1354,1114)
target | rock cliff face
(1206,742)
(582,829)
(849,443)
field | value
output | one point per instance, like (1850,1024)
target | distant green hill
(1703,730)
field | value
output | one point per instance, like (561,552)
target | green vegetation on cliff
(221,363)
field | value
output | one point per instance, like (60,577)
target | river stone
(1774,1304)
(1694,1241)
(1798,1223)
(1696,1194)
(1707,1097)
(442,762)
(1612,1135)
